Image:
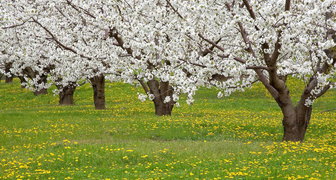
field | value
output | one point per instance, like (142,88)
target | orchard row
(173,47)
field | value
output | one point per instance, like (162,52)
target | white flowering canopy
(122,39)
(187,43)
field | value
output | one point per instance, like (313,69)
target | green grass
(235,137)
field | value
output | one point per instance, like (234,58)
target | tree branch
(277,47)
(209,50)
(257,67)
(85,11)
(222,49)
(114,33)
(17,25)
(199,65)
(54,38)
(246,40)
(310,86)
(265,81)
(260,74)
(287,5)
(249,9)
(211,42)
(251,12)
(328,110)
(324,90)
(58,9)
(168,2)
(144,86)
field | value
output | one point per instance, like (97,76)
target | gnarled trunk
(41,82)
(161,91)
(98,85)
(23,81)
(7,71)
(8,79)
(66,94)
(162,108)
(295,123)
(42,90)
(295,118)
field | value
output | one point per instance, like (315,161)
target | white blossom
(167,99)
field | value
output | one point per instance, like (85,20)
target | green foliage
(235,137)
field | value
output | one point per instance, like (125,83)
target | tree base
(41,92)
(9,79)
(98,85)
(163,109)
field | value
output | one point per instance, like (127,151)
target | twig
(200,65)
(222,49)
(328,110)
(168,2)
(17,25)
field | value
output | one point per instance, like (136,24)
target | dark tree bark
(98,85)
(7,71)
(295,125)
(295,118)
(161,90)
(40,92)
(66,94)
(42,80)
(23,81)
(8,79)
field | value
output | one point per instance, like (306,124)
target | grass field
(235,137)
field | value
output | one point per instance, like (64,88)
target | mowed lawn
(236,137)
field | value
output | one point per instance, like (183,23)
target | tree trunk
(295,118)
(296,122)
(40,92)
(23,81)
(7,70)
(8,79)
(98,85)
(42,81)
(66,94)
(162,108)
(161,90)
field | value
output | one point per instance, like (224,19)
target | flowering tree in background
(129,44)
(140,29)
(5,61)
(33,53)
(21,60)
(103,38)
(135,39)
